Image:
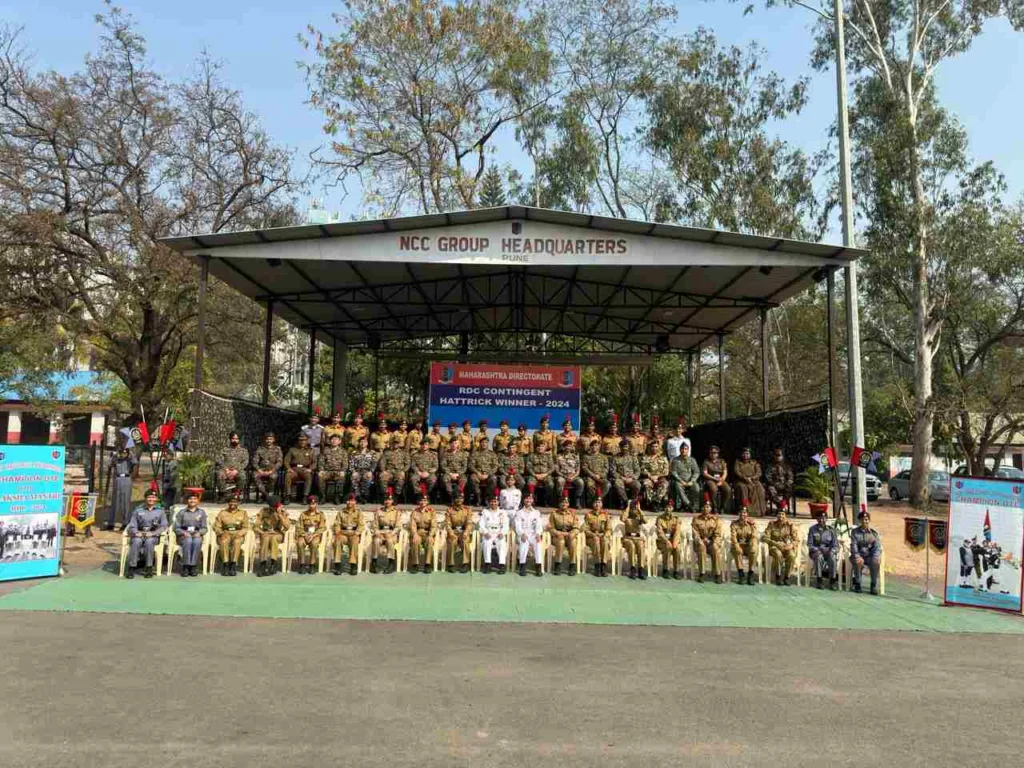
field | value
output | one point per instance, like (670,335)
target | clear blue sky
(257,41)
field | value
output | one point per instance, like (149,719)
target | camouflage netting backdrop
(801,432)
(213,417)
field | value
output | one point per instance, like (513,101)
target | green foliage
(492,191)
(817,486)
(195,471)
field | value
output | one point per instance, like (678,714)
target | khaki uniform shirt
(597,523)
(348,520)
(423,519)
(312,523)
(565,439)
(780,533)
(611,445)
(459,519)
(563,521)
(299,458)
(386,519)
(583,441)
(354,434)
(380,441)
(434,441)
(546,436)
(709,527)
(331,430)
(632,523)
(639,443)
(270,521)
(743,533)
(668,526)
(501,442)
(231,521)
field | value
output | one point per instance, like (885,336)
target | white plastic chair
(158,553)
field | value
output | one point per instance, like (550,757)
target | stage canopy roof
(626,286)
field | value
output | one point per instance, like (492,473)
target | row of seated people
(508,511)
(332,470)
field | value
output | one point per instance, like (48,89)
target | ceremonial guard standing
(385,525)
(480,439)
(454,465)
(780,479)
(657,438)
(707,535)
(268,463)
(298,463)
(348,524)
(230,527)
(566,437)
(190,528)
(866,549)
(654,476)
(564,526)
(637,439)
(633,522)
(782,539)
(716,485)
(435,438)
(422,522)
(416,435)
(589,436)
(309,533)
(625,473)
(524,445)
(335,428)
(747,482)
(145,527)
(231,465)
(459,525)
(545,436)
(743,538)
(493,535)
(503,439)
(669,531)
(567,473)
(380,440)
(361,466)
(611,444)
(400,439)
(357,432)
(121,499)
(529,529)
(423,466)
(466,437)
(332,466)
(597,528)
(822,548)
(272,523)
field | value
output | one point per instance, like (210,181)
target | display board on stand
(31,506)
(985,543)
(523,394)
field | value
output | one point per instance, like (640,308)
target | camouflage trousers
(361,482)
(656,491)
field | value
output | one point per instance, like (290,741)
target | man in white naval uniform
(493,535)
(529,531)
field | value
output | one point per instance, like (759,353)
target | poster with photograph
(31,504)
(985,543)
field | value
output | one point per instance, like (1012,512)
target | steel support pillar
(268,337)
(204,278)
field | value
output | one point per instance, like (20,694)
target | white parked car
(873,484)
(938,486)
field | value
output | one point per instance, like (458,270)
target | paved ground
(125,690)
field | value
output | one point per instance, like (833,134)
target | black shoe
(184,571)
(739,575)
(392,565)
(856,588)
(522,569)
(632,572)
(450,569)
(676,575)
(336,569)
(874,589)
(817,582)
(778,581)
(700,578)
(642,574)
(423,568)
(538,572)
(223,569)
(234,569)
(260,569)
(834,585)
(486,567)
(750,578)
(129,572)
(665,573)
(373,565)
(502,570)
(353,569)
(465,568)
(149,572)
(572,569)
(719,579)
(557,570)
(785,581)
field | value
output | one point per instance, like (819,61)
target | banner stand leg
(927,594)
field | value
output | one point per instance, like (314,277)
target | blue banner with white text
(31,505)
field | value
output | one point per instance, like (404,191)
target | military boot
(522,569)
(665,573)
(750,577)
(149,572)
(373,565)
(572,569)
(129,572)
(423,568)
(833,584)
(676,575)
(632,571)
(539,571)
(719,579)
(785,580)
(557,570)
(817,582)
(336,568)
(184,571)
(700,577)
(502,569)
(642,573)
(450,568)
(392,565)
(739,575)
(353,569)
(485,567)
(234,569)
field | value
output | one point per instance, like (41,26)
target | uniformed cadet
(545,436)
(272,523)
(529,528)
(348,527)
(707,536)
(422,523)
(743,540)
(190,529)
(362,465)
(357,432)
(716,481)
(435,438)
(654,477)
(594,468)
(314,430)
(423,467)
(588,436)
(633,522)
(779,479)
(230,527)
(458,523)
(540,468)
(480,439)
(483,468)
(511,464)
(453,434)
(637,439)
(822,547)
(394,466)
(674,444)
(232,465)
(611,444)
(309,532)
(454,465)
(380,440)
(267,464)
(657,438)
(669,538)
(782,539)
(511,497)
(865,549)
(597,528)
(298,464)
(335,428)
(625,473)
(564,526)
(400,439)
(685,479)
(332,466)
(503,439)
(145,527)
(416,435)
(121,499)
(493,535)
(568,480)
(746,472)
(466,437)
(523,443)
(386,525)
(567,437)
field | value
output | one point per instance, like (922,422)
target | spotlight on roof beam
(765,270)
(273,263)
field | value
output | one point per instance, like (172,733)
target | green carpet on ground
(493,598)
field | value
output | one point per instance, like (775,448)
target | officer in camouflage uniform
(299,463)
(361,467)
(625,470)
(230,527)
(685,478)
(782,539)
(779,478)
(611,444)
(707,535)
(597,528)
(422,523)
(568,480)
(308,534)
(483,468)
(458,523)
(268,463)
(669,531)
(423,466)
(394,466)
(564,526)
(656,437)
(272,523)
(332,466)
(348,526)
(865,549)
(654,477)
(633,542)
(594,468)
(540,468)
(743,538)
(454,465)
(386,524)
(232,465)
(503,439)
(510,463)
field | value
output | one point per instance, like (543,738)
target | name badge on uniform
(229,527)
(191,529)
(458,529)
(310,528)
(350,527)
